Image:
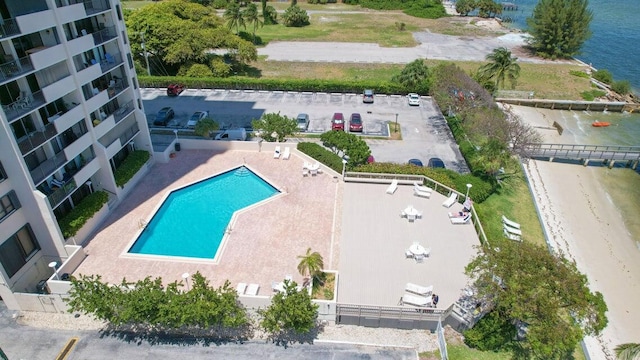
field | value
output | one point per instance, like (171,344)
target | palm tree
(252,17)
(501,66)
(311,264)
(628,351)
(234,17)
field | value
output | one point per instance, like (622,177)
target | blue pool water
(191,222)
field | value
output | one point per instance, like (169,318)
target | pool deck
(265,240)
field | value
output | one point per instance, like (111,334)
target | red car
(355,123)
(175,89)
(337,122)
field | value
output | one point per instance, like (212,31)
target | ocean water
(615,36)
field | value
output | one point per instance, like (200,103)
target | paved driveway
(424,130)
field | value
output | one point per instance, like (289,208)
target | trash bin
(177,146)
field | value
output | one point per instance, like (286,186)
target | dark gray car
(303,122)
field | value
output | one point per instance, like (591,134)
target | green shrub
(400,26)
(294,16)
(219,67)
(321,154)
(426,9)
(579,73)
(130,166)
(198,70)
(603,76)
(491,333)
(238,82)
(71,223)
(621,87)
(592,94)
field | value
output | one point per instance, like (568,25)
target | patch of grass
(312,70)
(592,94)
(395,131)
(325,291)
(463,352)
(133,5)
(514,201)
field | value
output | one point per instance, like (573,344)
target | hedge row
(79,215)
(130,166)
(321,154)
(244,83)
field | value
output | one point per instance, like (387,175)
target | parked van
(233,134)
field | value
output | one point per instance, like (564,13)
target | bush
(130,166)
(270,15)
(321,154)
(579,73)
(603,76)
(400,26)
(491,333)
(621,87)
(71,223)
(426,9)
(198,70)
(219,68)
(275,84)
(294,16)
(592,94)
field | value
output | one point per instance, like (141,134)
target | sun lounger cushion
(511,230)
(393,187)
(252,289)
(511,223)
(419,192)
(241,288)
(276,153)
(286,154)
(461,220)
(416,300)
(450,200)
(420,290)
(511,236)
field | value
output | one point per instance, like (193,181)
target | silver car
(303,122)
(196,117)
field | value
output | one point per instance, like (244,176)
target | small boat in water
(600,124)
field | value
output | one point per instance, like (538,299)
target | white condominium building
(71,113)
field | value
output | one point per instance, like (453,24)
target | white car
(196,117)
(414,99)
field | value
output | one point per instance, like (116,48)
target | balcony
(24,105)
(124,136)
(65,189)
(110,61)
(9,27)
(123,111)
(104,35)
(116,87)
(12,69)
(37,138)
(47,167)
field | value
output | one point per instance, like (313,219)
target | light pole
(468,188)
(53,265)
(396,123)
(185,277)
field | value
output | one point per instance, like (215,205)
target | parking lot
(424,130)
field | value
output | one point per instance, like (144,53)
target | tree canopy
(290,312)
(502,66)
(558,28)
(176,32)
(295,16)
(275,127)
(545,293)
(414,76)
(341,142)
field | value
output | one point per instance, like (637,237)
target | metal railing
(117,88)
(104,35)
(23,106)
(37,138)
(110,61)
(124,137)
(15,68)
(47,167)
(392,312)
(123,111)
(62,192)
(589,152)
(9,27)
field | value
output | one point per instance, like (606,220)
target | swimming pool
(192,220)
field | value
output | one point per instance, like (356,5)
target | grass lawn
(135,4)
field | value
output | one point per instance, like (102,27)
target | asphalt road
(425,133)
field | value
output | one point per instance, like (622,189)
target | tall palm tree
(234,17)
(628,351)
(311,264)
(252,17)
(501,66)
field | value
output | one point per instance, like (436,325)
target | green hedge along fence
(71,223)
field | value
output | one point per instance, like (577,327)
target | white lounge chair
(419,192)
(511,236)
(241,288)
(305,172)
(393,187)
(408,254)
(416,185)
(511,230)
(461,220)
(510,223)
(276,153)
(420,290)
(416,300)
(287,153)
(450,200)
(252,289)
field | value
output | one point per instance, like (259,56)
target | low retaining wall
(568,104)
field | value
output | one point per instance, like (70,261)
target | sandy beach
(584,223)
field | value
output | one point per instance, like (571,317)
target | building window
(118,12)
(135,83)
(8,204)
(130,60)
(3,175)
(17,250)
(124,37)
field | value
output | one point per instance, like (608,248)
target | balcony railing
(46,168)
(15,68)
(110,61)
(104,35)
(96,6)
(23,105)
(9,27)
(124,137)
(116,88)
(123,111)
(37,138)
(62,192)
